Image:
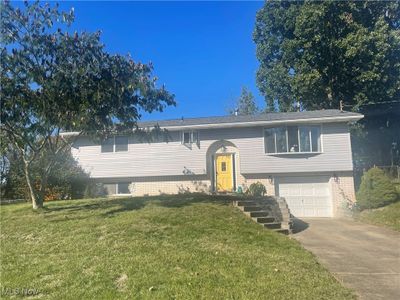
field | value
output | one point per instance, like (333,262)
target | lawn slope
(169,247)
(388,216)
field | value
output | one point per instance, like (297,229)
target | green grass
(388,216)
(167,247)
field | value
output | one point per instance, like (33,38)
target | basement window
(120,188)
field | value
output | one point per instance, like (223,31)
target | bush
(376,190)
(257,189)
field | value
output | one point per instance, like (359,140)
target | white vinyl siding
(173,159)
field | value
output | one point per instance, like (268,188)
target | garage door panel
(306,196)
(308,201)
(307,190)
(310,212)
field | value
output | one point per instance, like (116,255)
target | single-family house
(304,156)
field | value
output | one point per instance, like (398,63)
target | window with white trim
(292,139)
(115,144)
(120,188)
(190,137)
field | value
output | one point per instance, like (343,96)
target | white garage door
(306,196)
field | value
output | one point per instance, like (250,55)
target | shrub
(376,190)
(257,189)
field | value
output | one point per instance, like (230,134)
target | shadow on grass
(114,206)
(299,226)
(176,201)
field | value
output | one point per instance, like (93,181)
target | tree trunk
(37,201)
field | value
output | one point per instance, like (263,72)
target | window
(269,138)
(110,188)
(315,133)
(190,137)
(281,140)
(121,143)
(186,138)
(123,188)
(223,166)
(115,144)
(288,139)
(120,188)
(107,145)
(304,139)
(293,139)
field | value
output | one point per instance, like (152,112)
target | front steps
(271,212)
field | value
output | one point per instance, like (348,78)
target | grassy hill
(387,216)
(167,247)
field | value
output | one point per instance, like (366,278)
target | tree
(52,80)
(245,104)
(321,52)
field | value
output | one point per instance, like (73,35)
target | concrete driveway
(363,257)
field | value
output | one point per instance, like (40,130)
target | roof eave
(266,123)
(250,124)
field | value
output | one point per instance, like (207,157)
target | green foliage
(246,104)
(257,189)
(376,190)
(65,180)
(55,81)
(321,52)
(13,184)
(376,138)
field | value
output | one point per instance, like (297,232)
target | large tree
(54,80)
(318,53)
(245,104)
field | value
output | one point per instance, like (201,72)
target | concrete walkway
(363,257)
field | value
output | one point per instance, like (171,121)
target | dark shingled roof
(274,116)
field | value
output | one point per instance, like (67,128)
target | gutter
(249,124)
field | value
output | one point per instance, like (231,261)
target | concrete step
(282,230)
(245,203)
(257,214)
(251,208)
(264,219)
(273,225)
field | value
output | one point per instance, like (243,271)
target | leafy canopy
(321,52)
(53,80)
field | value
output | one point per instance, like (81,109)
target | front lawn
(388,216)
(169,247)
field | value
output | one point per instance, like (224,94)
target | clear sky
(202,51)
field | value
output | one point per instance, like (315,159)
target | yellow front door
(224,173)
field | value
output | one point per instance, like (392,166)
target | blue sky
(202,51)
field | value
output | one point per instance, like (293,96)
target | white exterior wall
(174,159)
